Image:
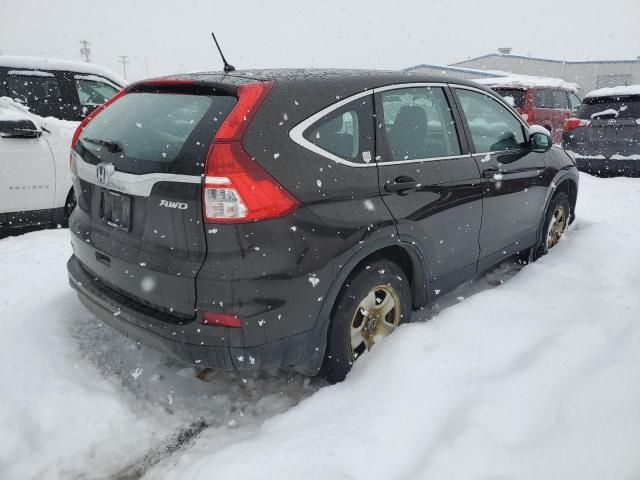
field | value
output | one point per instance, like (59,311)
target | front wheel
(555,225)
(372,303)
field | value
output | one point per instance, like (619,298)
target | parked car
(62,89)
(41,102)
(281,218)
(605,132)
(547,102)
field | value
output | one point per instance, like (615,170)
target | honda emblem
(104,172)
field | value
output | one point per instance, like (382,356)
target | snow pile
(622,91)
(79,400)
(536,378)
(606,113)
(526,81)
(60,132)
(12,110)
(53,64)
(533,379)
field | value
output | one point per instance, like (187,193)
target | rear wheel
(372,303)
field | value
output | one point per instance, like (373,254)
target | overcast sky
(173,35)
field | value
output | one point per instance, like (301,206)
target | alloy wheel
(557,226)
(377,315)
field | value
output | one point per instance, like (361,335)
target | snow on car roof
(527,81)
(41,63)
(621,91)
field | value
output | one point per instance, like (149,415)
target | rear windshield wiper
(111,145)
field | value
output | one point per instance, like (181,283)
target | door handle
(490,172)
(402,186)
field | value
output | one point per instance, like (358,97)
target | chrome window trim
(409,85)
(296,132)
(129,183)
(422,160)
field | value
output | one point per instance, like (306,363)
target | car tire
(373,302)
(556,221)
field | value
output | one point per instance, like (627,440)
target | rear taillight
(235,188)
(638,121)
(90,117)
(527,117)
(573,123)
(216,319)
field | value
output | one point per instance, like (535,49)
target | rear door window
(543,98)
(419,124)
(38,90)
(155,132)
(492,126)
(560,100)
(347,132)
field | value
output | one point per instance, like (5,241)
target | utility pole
(85,51)
(123,60)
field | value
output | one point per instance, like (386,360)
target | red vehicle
(546,103)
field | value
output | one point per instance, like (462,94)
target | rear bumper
(187,340)
(609,166)
(603,158)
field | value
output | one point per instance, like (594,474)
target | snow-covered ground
(522,374)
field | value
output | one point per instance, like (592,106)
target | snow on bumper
(184,339)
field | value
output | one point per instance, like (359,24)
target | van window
(543,98)
(92,91)
(39,91)
(513,96)
(560,100)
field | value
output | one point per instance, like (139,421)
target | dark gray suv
(267,219)
(605,133)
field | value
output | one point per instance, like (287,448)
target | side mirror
(19,129)
(539,139)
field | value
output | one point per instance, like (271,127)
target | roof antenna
(227,66)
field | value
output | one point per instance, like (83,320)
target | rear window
(155,132)
(513,96)
(627,107)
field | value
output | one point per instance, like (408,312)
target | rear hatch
(613,123)
(139,165)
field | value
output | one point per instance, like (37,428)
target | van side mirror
(19,129)
(539,139)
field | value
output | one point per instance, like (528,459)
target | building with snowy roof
(589,75)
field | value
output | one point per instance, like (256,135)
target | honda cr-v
(267,219)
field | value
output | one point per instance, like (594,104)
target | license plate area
(609,134)
(115,210)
